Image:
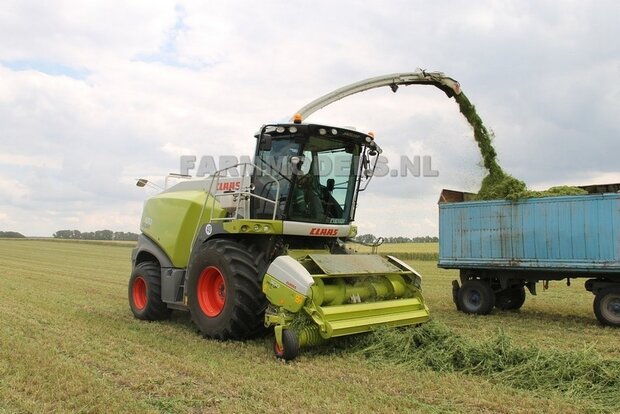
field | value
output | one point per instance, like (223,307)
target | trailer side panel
(580,233)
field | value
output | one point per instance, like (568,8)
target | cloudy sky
(95,94)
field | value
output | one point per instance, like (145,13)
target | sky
(96,94)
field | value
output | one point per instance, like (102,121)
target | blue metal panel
(485,233)
(575,232)
(538,234)
(516,234)
(565,230)
(552,230)
(528,230)
(474,235)
(605,233)
(578,230)
(591,229)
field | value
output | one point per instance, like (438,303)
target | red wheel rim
(138,292)
(211,291)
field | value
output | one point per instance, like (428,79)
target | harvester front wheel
(607,306)
(290,346)
(224,291)
(145,293)
(476,296)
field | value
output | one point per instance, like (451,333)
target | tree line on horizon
(129,236)
(11,235)
(371,238)
(96,235)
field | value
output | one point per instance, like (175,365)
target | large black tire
(290,346)
(224,292)
(145,293)
(455,294)
(476,296)
(607,306)
(510,299)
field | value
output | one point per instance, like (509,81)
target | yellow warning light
(371,135)
(297,118)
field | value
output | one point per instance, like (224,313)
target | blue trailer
(503,247)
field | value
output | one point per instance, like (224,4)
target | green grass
(405,251)
(68,343)
(398,248)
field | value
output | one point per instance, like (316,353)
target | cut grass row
(404,251)
(68,342)
(399,248)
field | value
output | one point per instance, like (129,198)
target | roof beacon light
(297,118)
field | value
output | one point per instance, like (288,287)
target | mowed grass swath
(70,343)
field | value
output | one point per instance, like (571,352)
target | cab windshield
(315,174)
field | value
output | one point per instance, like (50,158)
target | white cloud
(94,95)
(19,160)
(12,191)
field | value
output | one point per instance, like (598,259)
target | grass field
(399,248)
(68,343)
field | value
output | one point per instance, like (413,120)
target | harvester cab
(263,244)
(317,173)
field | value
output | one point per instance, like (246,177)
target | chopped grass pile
(498,184)
(562,190)
(577,374)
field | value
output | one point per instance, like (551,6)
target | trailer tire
(290,346)
(224,293)
(477,297)
(145,293)
(455,294)
(510,299)
(607,306)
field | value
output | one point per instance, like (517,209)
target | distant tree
(11,235)
(95,235)
(63,234)
(366,238)
(128,236)
(88,235)
(369,238)
(104,235)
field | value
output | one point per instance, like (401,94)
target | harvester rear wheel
(290,346)
(145,293)
(607,306)
(476,296)
(510,299)
(224,291)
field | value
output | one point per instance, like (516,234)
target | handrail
(217,175)
(239,194)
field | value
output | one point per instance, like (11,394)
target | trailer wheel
(511,298)
(455,294)
(607,306)
(224,292)
(145,293)
(476,296)
(290,346)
